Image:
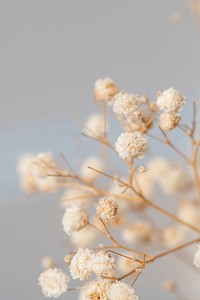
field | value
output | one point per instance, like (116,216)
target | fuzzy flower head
(125,104)
(107,208)
(104,89)
(121,290)
(94,125)
(34,173)
(131,145)
(93,162)
(173,236)
(196,260)
(170,101)
(98,290)
(74,219)
(80,267)
(75,196)
(169,121)
(53,282)
(102,263)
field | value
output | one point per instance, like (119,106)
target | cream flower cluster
(86,262)
(121,290)
(107,208)
(104,89)
(94,125)
(93,162)
(75,218)
(131,145)
(35,173)
(53,282)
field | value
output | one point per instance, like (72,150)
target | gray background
(51,52)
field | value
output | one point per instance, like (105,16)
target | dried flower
(93,162)
(94,125)
(170,101)
(170,285)
(104,89)
(35,173)
(121,290)
(47,262)
(125,104)
(131,145)
(172,236)
(53,282)
(196,260)
(106,208)
(80,267)
(74,219)
(189,212)
(102,263)
(98,290)
(84,237)
(138,232)
(75,196)
(168,121)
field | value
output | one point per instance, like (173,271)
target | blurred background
(51,53)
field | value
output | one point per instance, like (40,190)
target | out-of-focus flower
(170,101)
(94,125)
(121,290)
(104,89)
(189,212)
(138,232)
(53,282)
(75,196)
(75,218)
(131,145)
(170,285)
(169,121)
(80,267)
(106,208)
(172,236)
(84,237)
(36,173)
(126,264)
(47,262)
(93,162)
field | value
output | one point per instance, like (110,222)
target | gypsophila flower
(196,260)
(106,208)
(53,282)
(172,236)
(170,285)
(94,125)
(47,262)
(80,267)
(131,145)
(98,290)
(170,101)
(93,162)
(138,232)
(75,196)
(121,290)
(125,104)
(74,219)
(102,263)
(168,121)
(84,237)
(104,89)
(35,173)
(189,212)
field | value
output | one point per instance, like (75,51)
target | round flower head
(170,101)
(107,208)
(80,267)
(104,89)
(74,219)
(34,173)
(93,162)
(196,260)
(102,263)
(98,290)
(138,232)
(94,125)
(168,121)
(131,145)
(84,237)
(53,282)
(121,290)
(173,236)
(125,104)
